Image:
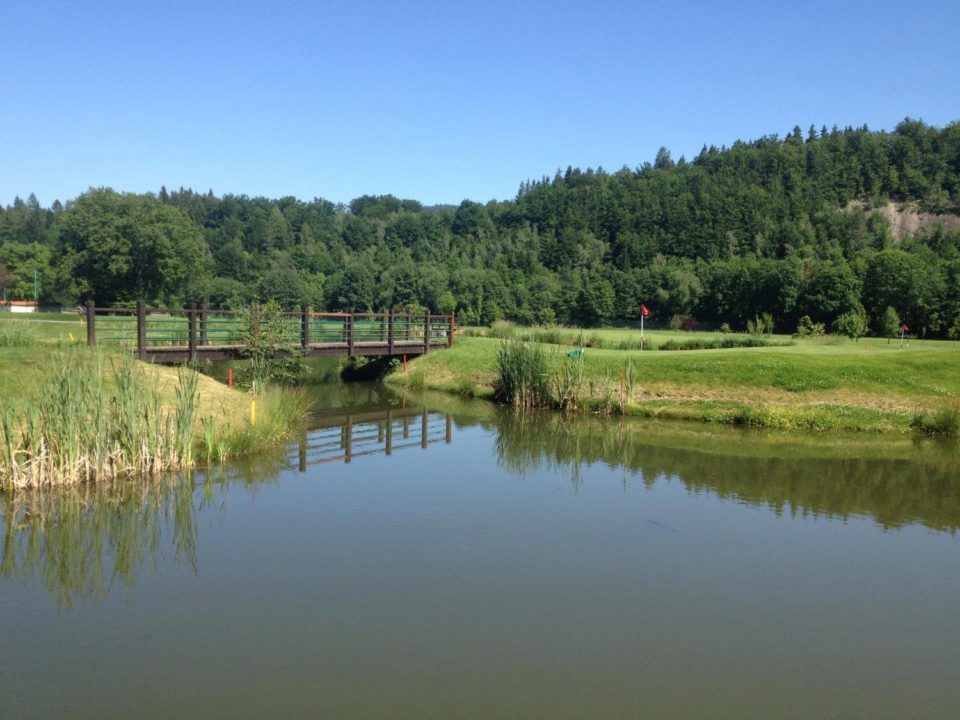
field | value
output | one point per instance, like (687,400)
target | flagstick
(641,331)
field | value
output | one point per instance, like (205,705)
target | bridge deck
(180,353)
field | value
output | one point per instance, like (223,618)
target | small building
(18,306)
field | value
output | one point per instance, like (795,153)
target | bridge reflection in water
(342,437)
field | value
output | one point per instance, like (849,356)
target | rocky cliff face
(906,220)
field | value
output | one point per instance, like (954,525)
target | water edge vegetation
(823,383)
(70,414)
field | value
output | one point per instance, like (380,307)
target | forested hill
(793,226)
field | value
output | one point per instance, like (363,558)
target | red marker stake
(230,377)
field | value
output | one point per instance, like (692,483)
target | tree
(6,279)
(853,324)
(123,247)
(890,325)
(22,261)
(356,288)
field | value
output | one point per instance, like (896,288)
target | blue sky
(437,101)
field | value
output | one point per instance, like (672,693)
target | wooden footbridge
(172,335)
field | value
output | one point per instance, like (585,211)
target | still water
(423,558)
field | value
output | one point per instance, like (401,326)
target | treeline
(779,226)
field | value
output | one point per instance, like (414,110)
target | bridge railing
(344,437)
(194,329)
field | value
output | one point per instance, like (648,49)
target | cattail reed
(83,427)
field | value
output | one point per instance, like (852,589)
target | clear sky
(438,101)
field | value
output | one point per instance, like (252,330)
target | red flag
(905,328)
(643,309)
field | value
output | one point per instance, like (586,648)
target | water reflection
(343,437)
(894,492)
(83,541)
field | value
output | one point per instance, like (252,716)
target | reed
(566,381)
(522,375)
(82,427)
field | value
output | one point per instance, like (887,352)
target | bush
(808,328)
(853,324)
(267,342)
(762,325)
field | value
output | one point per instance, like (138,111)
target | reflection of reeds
(82,427)
(83,537)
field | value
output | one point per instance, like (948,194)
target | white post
(641,331)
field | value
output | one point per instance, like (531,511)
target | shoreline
(768,388)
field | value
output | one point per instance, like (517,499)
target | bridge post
(91,323)
(389,447)
(192,331)
(141,330)
(304,326)
(203,324)
(348,440)
(350,334)
(426,334)
(453,324)
(390,333)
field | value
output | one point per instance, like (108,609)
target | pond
(417,557)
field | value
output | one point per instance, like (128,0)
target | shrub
(853,324)
(808,328)
(266,341)
(762,325)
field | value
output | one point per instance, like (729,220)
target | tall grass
(83,427)
(522,375)
(943,421)
(16,333)
(280,413)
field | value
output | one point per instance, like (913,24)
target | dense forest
(788,227)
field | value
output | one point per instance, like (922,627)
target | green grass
(813,385)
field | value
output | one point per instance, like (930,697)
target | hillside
(822,223)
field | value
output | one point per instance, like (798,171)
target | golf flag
(644,311)
(905,328)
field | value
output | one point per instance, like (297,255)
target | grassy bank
(870,385)
(68,413)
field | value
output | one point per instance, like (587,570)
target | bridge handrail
(197,327)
